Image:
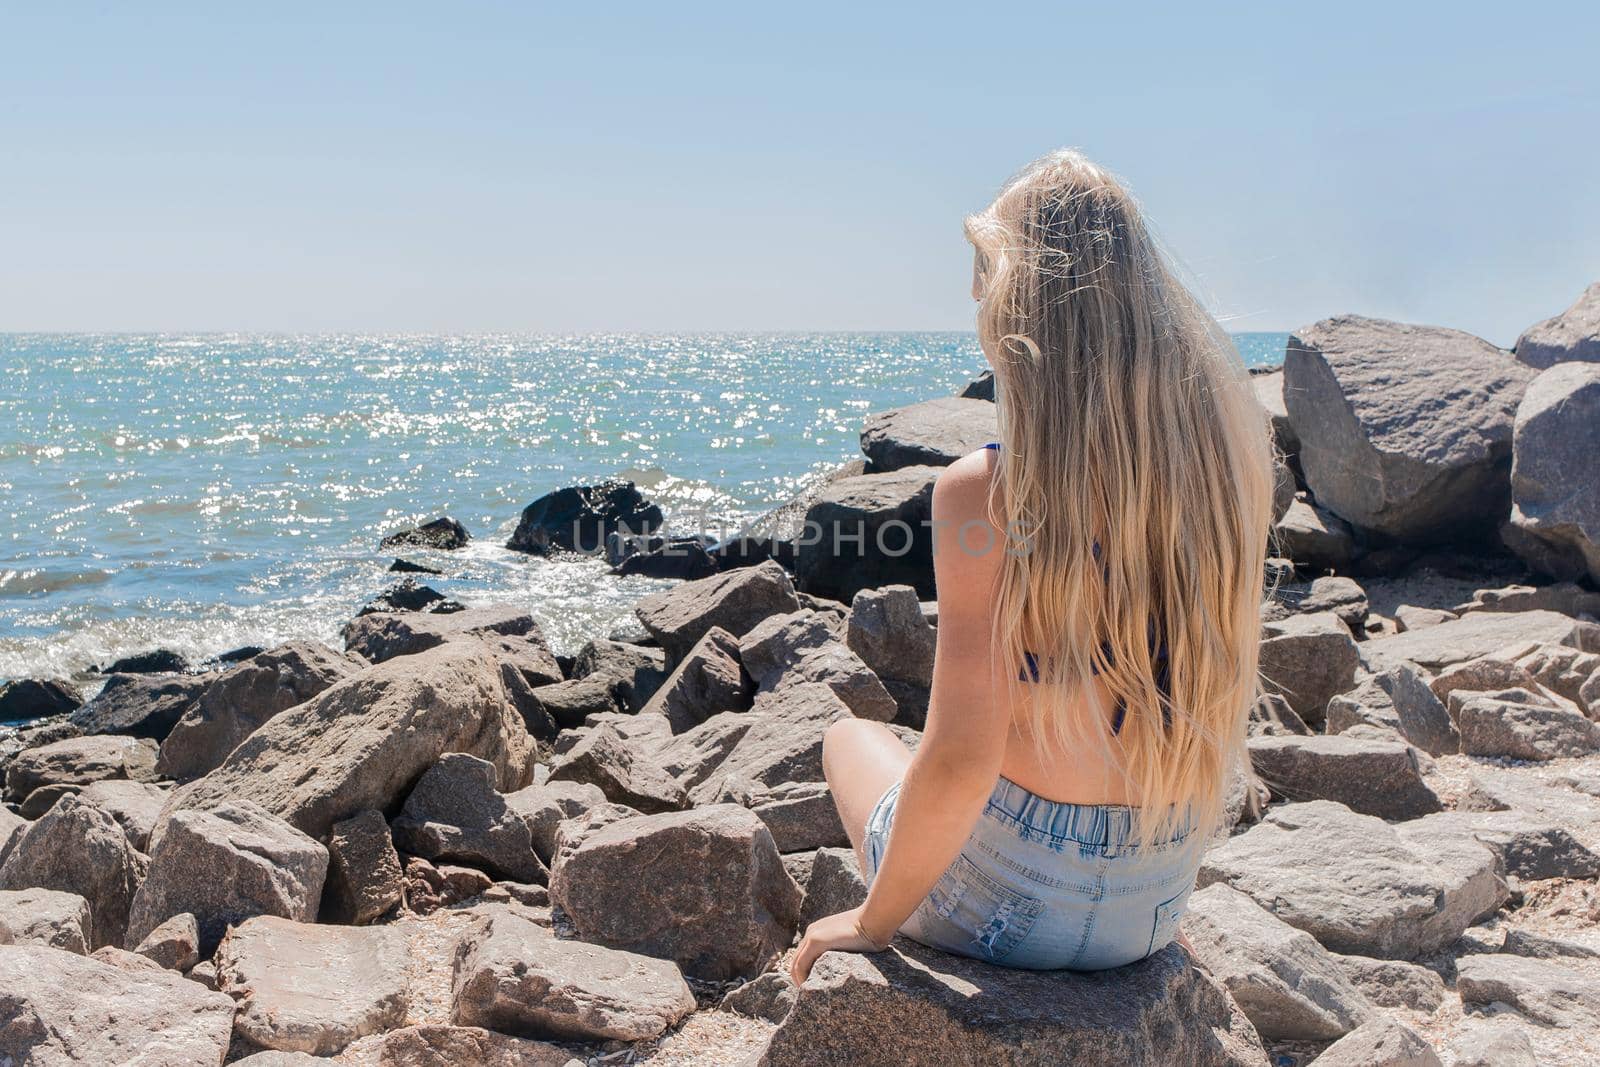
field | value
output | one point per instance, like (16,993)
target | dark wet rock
(406,566)
(1570,337)
(932,433)
(224,866)
(307,988)
(736,552)
(1308,659)
(801,648)
(77,848)
(736,601)
(175,944)
(155,661)
(1404,430)
(410,595)
(1369,776)
(1358,884)
(710,680)
(980,388)
(63,1008)
(680,557)
(869,531)
(36,698)
(1287,984)
(46,917)
(580,518)
(704,887)
(240,700)
(78,761)
(625,774)
(513,975)
(1555,514)
(443,533)
(913,1006)
(1398,699)
(365,881)
(455,815)
(363,743)
(140,705)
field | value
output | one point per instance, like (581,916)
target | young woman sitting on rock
(1099,572)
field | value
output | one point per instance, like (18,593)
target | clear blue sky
(391,167)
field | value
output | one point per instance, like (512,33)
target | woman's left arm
(959,758)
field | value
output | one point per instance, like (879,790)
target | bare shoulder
(961,492)
(966,539)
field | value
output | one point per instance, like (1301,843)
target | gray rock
(769,996)
(544,807)
(1570,337)
(1269,392)
(933,433)
(77,848)
(78,761)
(1314,537)
(1528,845)
(637,671)
(1561,669)
(140,705)
(783,743)
(869,531)
(1394,983)
(801,647)
(1516,730)
(704,887)
(1555,513)
(382,636)
(46,917)
(175,944)
(1404,430)
(235,705)
(569,704)
(1373,777)
(800,815)
(313,989)
(227,865)
(679,617)
(1288,985)
(1400,700)
(1535,946)
(455,815)
(693,756)
(1477,635)
(835,884)
(1271,716)
(363,743)
(365,881)
(1568,598)
(1308,659)
(913,1006)
(11,826)
(64,1009)
(889,631)
(1552,992)
(622,773)
(580,518)
(513,975)
(1494,1042)
(1357,884)
(1383,1042)
(1342,596)
(710,680)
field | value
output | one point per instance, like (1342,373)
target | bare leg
(861,760)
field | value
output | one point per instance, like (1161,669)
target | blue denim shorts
(1045,885)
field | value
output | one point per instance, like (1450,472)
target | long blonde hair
(1135,481)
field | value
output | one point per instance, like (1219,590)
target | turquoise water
(205,492)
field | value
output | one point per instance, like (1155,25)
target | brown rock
(77,848)
(455,814)
(625,775)
(679,617)
(709,681)
(175,944)
(364,876)
(46,917)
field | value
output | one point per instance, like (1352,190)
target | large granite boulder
(1570,337)
(77,848)
(890,633)
(546,805)
(932,433)
(1397,699)
(782,743)
(624,774)
(175,944)
(444,534)
(512,974)
(307,988)
(703,887)
(1528,845)
(59,1009)
(1357,884)
(135,805)
(37,698)
(916,1007)
(635,671)
(1287,984)
(140,705)
(1309,660)
(383,635)
(1369,775)
(868,531)
(834,884)
(1555,475)
(235,705)
(679,617)
(227,865)
(580,518)
(455,815)
(1476,635)
(78,761)
(365,742)
(46,917)
(709,680)
(801,647)
(1551,992)
(1382,1042)
(1524,730)
(1404,430)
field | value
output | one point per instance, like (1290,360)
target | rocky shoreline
(446,844)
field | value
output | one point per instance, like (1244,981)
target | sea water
(200,493)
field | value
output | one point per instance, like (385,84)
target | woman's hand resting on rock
(835,933)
